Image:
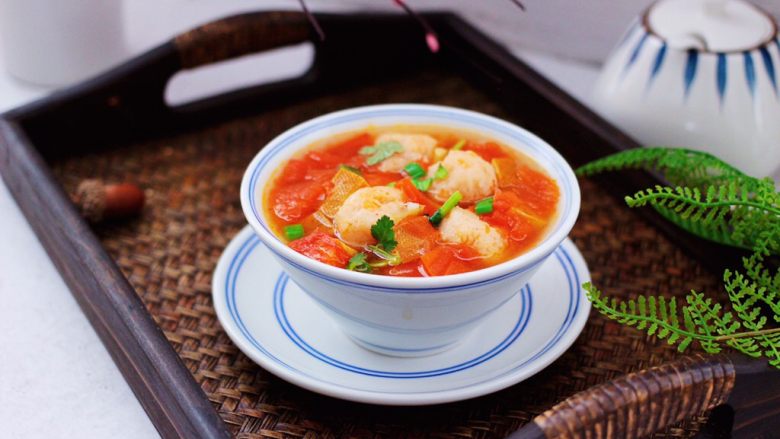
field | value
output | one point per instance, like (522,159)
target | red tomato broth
(522,213)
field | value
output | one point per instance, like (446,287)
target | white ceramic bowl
(408,316)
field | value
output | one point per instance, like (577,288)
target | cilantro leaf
(358,263)
(383,232)
(380,151)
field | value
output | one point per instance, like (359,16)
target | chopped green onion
(458,146)
(484,207)
(351,168)
(391,258)
(445,208)
(441,172)
(422,185)
(358,263)
(293,232)
(414,170)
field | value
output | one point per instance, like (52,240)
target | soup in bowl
(409,224)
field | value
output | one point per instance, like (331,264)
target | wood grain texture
(118,125)
(164,387)
(638,404)
(240,35)
(193,210)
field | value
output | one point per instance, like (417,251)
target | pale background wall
(57,378)
(584,30)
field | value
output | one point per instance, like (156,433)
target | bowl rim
(509,268)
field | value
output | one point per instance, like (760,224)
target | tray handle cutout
(239,35)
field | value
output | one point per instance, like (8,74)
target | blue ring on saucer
(573,306)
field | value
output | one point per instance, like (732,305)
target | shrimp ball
(468,173)
(463,226)
(417,148)
(361,210)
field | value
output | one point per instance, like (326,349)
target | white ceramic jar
(700,74)
(60,42)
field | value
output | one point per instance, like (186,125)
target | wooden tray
(145,283)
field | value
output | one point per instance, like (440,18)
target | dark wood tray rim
(126,104)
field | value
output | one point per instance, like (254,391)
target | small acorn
(98,201)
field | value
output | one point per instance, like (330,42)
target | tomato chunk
(322,247)
(415,236)
(380,178)
(487,150)
(538,193)
(450,259)
(295,171)
(295,201)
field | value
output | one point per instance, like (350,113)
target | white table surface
(56,377)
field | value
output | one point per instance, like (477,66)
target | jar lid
(710,25)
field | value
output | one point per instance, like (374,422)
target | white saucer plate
(278,326)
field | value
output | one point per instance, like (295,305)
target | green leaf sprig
(380,151)
(384,234)
(713,200)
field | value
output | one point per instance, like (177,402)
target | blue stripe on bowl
(658,62)
(689,76)
(521,137)
(769,66)
(520,325)
(722,75)
(392,349)
(410,289)
(750,72)
(284,277)
(635,53)
(253,241)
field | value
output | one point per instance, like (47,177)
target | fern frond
(678,166)
(701,320)
(715,201)
(727,214)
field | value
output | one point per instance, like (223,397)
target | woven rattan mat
(193,211)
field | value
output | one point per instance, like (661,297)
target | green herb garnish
(484,207)
(383,232)
(458,146)
(713,200)
(351,168)
(441,173)
(391,259)
(422,185)
(414,170)
(359,263)
(293,232)
(445,208)
(380,151)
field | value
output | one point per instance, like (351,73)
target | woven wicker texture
(169,253)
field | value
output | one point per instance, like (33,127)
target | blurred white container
(58,42)
(701,74)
